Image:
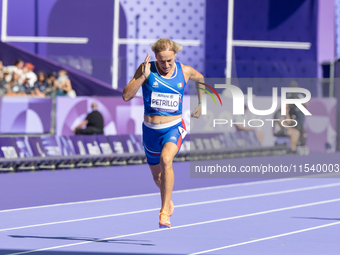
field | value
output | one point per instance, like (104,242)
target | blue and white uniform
(163,97)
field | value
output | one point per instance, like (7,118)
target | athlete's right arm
(138,80)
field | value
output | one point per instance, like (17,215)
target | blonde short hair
(165,44)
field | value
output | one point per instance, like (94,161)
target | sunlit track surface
(218,216)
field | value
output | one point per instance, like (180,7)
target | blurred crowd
(20,79)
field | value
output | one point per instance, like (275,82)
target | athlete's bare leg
(156,174)
(168,153)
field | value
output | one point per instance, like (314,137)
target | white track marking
(184,226)
(267,238)
(153,194)
(177,206)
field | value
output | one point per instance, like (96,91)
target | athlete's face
(166,61)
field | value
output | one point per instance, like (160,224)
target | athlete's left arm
(191,74)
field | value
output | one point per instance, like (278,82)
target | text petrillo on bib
(165,102)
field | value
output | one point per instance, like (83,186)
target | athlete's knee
(166,161)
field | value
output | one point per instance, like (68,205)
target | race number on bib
(164,102)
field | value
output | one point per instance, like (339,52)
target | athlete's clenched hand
(197,112)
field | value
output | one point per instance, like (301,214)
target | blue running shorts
(155,136)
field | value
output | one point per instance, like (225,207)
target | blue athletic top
(164,96)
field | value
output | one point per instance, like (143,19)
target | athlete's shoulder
(190,72)
(187,70)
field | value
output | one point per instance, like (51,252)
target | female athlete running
(163,82)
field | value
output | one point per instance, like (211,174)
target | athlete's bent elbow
(126,98)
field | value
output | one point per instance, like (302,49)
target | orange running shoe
(171,208)
(164,219)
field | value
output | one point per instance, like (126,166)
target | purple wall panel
(71,112)
(91,145)
(79,145)
(320,126)
(66,145)
(231,141)
(23,147)
(37,146)
(25,115)
(51,145)
(132,143)
(0,111)
(104,144)
(117,144)
(119,117)
(8,149)
(126,119)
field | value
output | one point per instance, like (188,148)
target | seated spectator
(3,83)
(16,67)
(281,131)
(1,70)
(41,86)
(26,88)
(13,87)
(27,72)
(94,123)
(63,85)
(51,77)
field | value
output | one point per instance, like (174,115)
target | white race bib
(164,102)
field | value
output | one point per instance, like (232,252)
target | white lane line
(153,194)
(80,202)
(267,238)
(178,206)
(184,226)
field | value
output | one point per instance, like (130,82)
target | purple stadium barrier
(25,115)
